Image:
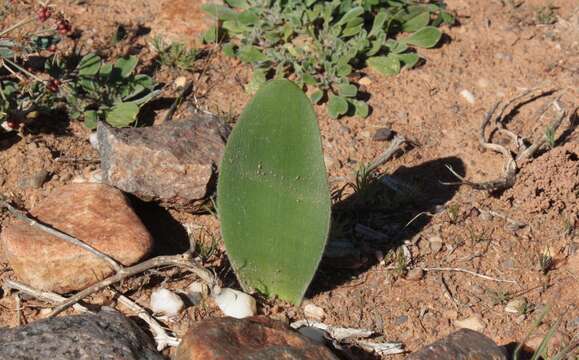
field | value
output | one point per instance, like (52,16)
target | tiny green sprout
(453,212)
(545,261)
(175,55)
(550,137)
(546,15)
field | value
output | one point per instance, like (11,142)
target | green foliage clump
(110,92)
(174,55)
(272,193)
(320,43)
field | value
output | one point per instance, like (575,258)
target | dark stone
(174,163)
(256,338)
(106,335)
(464,344)
(383,134)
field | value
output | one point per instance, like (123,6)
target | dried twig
(162,338)
(447,291)
(486,277)
(186,91)
(41,295)
(183,260)
(386,155)
(61,235)
(497,119)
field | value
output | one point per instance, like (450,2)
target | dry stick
(469,272)
(386,155)
(61,235)
(186,91)
(42,295)
(159,334)
(554,125)
(183,260)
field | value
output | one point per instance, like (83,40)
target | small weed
(175,55)
(568,227)
(546,15)
(476,237)
(550,137)
(545,261)
(398,260)
(499,297)
(206,245)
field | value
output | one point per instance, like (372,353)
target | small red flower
(43,13)
(63,26)
(53,85)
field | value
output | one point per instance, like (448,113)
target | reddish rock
(248,339)
(97,214)
(174,163)
(461,345)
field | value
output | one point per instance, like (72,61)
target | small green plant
(272,193)
(110,92)
(453,212)
(320,43)
(550,137)
(499,297)
(545,261)
(546,15)
(174,55)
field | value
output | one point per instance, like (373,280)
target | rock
(174,163)
(314,312)
(34,181)
(235,303)
(383,134)
(165,302)
(248,339)
(415,274)
(365,81)
(97,214)
(435,243)
(516,306)
(468,96)
(399,320)
(461,345)
(471,323)
(106,335)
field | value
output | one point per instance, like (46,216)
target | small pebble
(415,274)
(235,303)
(472,323)
(365,81)
(399,320)
(166,302)
(314,312)
(516,306)
(435,243)
(383,134)
(468,96)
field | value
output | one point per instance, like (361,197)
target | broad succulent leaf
(273,198)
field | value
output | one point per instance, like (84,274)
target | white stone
(235,303)
(166,302)
(314,312)
(468,96)
(472,323)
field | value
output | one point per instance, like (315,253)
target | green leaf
(347,90)
(309,79)
(351,14)
(362,109)
(351,31)
(272,193)
(257,79)
(316,96)
(89,65)
(337,106)
(417,22)
(211,35)
(122,114)
(251,54)
(219,11)
(229,50)
(248,17)
(6,52)
(106,70)
(387,65)
(344,70)
(378,24)
(409,60)
(90,119)
(426,37)
(396,47)
(239,4)
(126,65)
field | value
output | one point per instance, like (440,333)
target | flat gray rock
(174,163)
(106,335)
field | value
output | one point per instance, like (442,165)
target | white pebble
(166,302)
(94,141)
(468,96)
(314,312)
(235,303)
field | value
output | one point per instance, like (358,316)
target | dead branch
(61,235)
(41,295)
(162,338)
(395,145)
(497,118)
(184,261)
(486,277)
